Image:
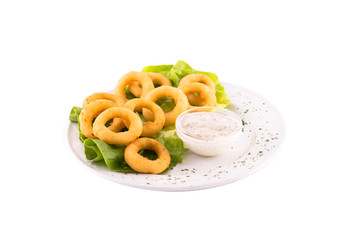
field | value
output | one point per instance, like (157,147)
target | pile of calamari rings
(113,118)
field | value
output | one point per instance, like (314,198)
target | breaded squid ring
(144,80)
(150,128)
(207,97)
(145,165)
(180,101)
(157,79)
(199,78)
(110,137)
(103,95)
(91,111)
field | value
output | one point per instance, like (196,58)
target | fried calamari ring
(145,165)
(180,101)
(157,79)
(150,128)
(206,96)
(199,78)
(103,95)
(91,111)
(144,80)
(108,136)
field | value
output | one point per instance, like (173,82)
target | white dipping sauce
(208,125)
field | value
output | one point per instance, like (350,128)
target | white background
(303,56)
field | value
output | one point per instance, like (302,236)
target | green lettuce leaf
(92,151)
(74,114)
(180,70)
(74,117)
(162,69)
(113,156)
(128,94)
(176,72)
(166,104)
(173,143)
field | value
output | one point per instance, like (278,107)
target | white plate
(263,133)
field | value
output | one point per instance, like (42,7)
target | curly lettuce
(167,136)
(74,117)
(176,72)
(162,69)
(113,156)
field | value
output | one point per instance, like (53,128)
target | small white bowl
(211,147)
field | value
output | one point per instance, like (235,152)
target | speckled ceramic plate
(263,129)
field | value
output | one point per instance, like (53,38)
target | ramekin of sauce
(208,131)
